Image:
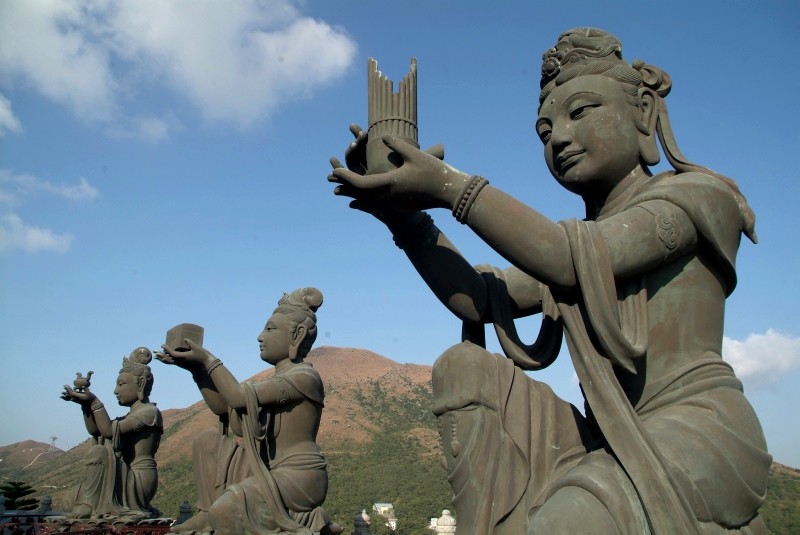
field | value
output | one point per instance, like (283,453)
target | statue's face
(127,390)
(275,340)
(590,139)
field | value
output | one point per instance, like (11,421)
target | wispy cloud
(8,121)
(762,358)
(235,62)
(16,234)
(15,186)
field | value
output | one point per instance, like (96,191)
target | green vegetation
(15,493)
(782,509)
(175,485)
(394,467)
(400,464)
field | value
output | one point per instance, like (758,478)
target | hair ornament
(137,362)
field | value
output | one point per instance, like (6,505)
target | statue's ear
(299,334)
(649,104)
(141,382)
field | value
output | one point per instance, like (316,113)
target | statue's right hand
(77,397)
(355,155)
(188,360)
(168,356)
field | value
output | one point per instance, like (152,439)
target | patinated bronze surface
(121,473)
(262,472)
(637,287)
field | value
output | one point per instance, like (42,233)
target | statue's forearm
(448,274)
(97,420)
(523,236)
(451,278)
(229,389)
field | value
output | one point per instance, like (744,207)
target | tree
(15,492)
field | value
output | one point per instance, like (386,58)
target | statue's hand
(189,359)
(422,181)
(82,398)
(355,155)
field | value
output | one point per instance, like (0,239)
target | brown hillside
(344,371)
(377,433)
(25,454)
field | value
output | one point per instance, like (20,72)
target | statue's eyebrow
(582,93)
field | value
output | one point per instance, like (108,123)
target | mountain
(24,454)
(377,433)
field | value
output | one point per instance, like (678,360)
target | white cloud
(762,358)
(15,234)
(53,46)
(8,121)
(234,61)
(150,128)
(14,186)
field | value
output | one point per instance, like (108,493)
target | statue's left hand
(423,180)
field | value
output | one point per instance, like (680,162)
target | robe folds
(655,456)
(252,495)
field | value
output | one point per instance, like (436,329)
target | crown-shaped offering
(389,113)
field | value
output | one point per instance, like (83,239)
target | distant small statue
(361,523)
(81,383)
(637,286)
(275,479)
(121,473)
(445,523)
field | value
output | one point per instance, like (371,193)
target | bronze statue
(273,479)
(668,443)
(121,473)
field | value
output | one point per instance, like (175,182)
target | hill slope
(378,436)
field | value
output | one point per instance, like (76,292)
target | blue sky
(165,162)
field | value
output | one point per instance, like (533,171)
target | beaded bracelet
(467,197)
(423,231)
(199,374)
(97,406)
(216,363)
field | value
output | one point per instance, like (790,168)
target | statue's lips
(568,159)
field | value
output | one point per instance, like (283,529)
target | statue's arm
(214,400)
(277,391)
(523,236)
(88,420)
(100,419)
(458,285)
(638,239)
(449,276)
(230,391)
(649,234)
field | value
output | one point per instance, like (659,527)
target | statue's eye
(581,111)
(544,131)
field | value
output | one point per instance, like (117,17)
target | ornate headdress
(306,300)
(579,46)
(137,363)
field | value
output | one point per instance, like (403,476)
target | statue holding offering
(121,476)
(263,473)
(668,443)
